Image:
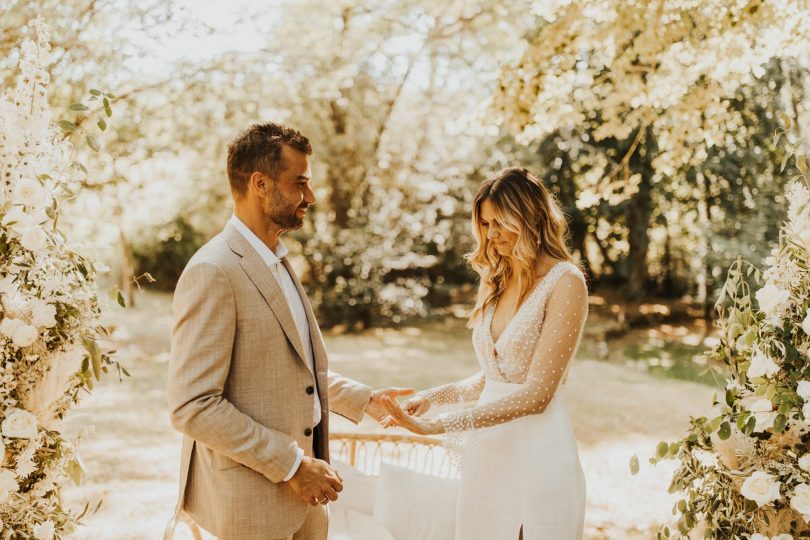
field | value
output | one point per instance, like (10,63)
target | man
(249,386)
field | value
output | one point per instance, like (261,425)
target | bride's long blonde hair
(523,206)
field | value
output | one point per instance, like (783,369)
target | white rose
(806,323)
(782,537)
(804,462)
(24,335)
(20,424)
(44,314)
(762,409)
(772,299)
(17,220)
(757,536)
(806,413)
(8,485)
(34,239)
(801,500)
(8,326)
(761,487)
(44,530)
(762,365)
(28,192)
(803,389)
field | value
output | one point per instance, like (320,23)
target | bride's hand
(416,406)
(398,417)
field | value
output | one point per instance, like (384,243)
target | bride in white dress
(520,470)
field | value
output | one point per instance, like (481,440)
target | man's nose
(309,196)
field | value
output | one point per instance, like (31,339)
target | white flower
(8,485)
(762,409)
(782,537)
(806,323)
(762,365)
(772,299)
(803,389)
(34,239)
(758,536)
(28,192)
(806,413)
(801,500)
(761,488)
(20,424)
(8,326)
(804,462)
(44,530)
(17,220)
(44,314)
(24,335)
(7,286)
(19,332)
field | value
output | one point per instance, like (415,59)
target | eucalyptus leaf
(801,163)
(93,143)
(67,125)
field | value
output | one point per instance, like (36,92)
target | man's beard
(283,214)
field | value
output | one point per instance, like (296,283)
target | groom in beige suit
(249,385)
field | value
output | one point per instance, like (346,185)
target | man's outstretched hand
(376,409)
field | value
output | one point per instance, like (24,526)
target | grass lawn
(620,405)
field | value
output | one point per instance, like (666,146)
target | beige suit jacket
(241,393)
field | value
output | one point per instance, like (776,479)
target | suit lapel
(318,348)
(268,286)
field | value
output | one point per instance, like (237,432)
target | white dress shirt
(294,301)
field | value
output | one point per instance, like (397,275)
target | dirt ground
(619,409)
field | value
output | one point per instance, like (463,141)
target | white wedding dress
(519,461)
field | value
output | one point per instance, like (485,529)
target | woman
(520,470)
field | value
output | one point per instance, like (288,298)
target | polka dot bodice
(533,352)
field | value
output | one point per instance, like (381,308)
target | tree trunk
(639,212)
(126,276)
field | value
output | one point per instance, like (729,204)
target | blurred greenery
(409,104)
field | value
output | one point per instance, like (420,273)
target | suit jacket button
(308,432)
(310,390)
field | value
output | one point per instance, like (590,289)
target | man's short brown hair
(258,148)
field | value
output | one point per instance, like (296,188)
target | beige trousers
(315,527)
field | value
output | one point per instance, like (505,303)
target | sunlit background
(653,122)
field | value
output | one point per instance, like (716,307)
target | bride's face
(503,240)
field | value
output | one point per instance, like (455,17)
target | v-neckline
(494,307)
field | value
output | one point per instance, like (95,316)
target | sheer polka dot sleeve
(464,391)
(560,334)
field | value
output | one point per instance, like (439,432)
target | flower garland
(49,311)
(746,472)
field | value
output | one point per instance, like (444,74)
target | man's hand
(397,417)
(376,409)
(316,482)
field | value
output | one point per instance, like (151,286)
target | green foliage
(165,251)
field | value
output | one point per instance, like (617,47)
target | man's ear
(259,181)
